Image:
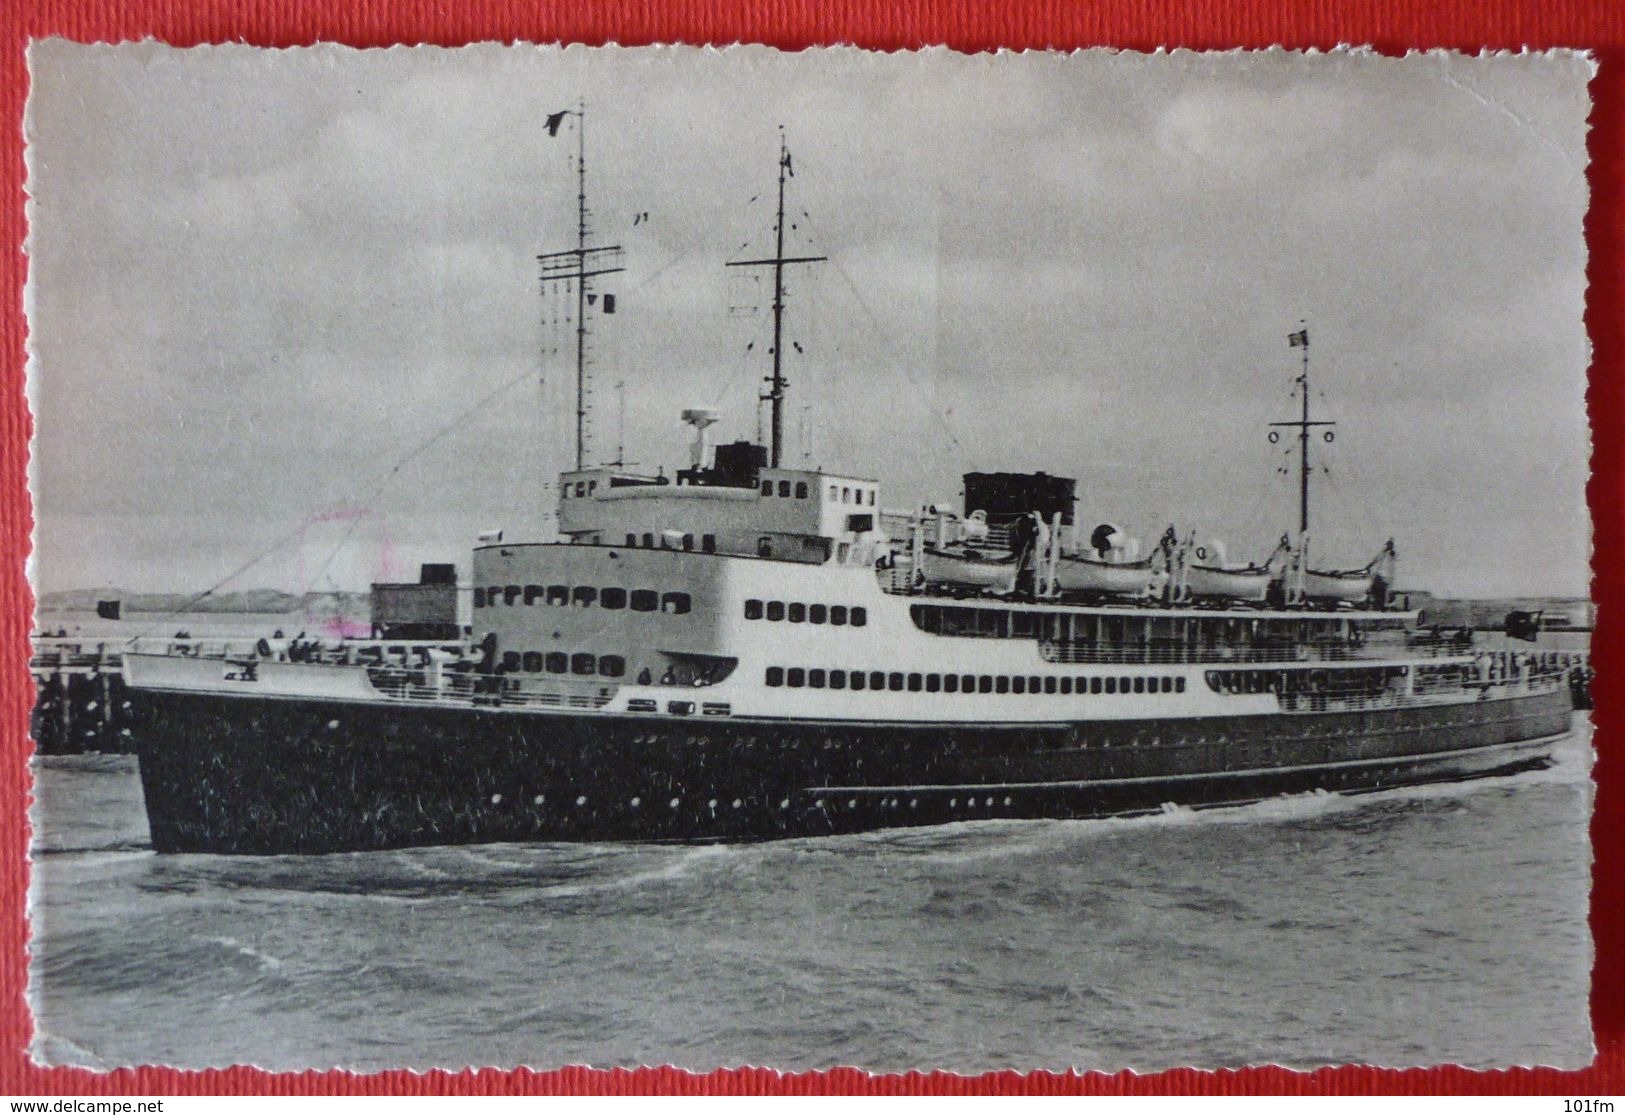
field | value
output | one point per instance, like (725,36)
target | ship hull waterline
(256,775)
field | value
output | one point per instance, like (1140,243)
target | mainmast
(577,267)
(777,382)
(1300,339)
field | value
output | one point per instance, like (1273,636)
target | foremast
(576,268)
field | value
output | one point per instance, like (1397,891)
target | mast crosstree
(577,267)
(778,262)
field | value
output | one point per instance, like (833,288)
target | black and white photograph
(727,557)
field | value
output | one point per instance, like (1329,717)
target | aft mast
(1300,339)
(577,267)
(778,261)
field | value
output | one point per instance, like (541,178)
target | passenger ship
(748,651)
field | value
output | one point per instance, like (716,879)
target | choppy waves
(1439,923)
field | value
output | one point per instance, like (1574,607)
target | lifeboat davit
(968,567)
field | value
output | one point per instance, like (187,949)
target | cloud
(261,279)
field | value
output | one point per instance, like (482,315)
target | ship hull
(251,775)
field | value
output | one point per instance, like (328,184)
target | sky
(286,329)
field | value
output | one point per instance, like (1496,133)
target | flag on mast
(554,119)
(1300,339)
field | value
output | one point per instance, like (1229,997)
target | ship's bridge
(736,505)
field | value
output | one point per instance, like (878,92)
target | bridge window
(933,683)
(1049,685)
(877,680)
(675,603)
(1018,684)
(837,615)
(860,616)
(798,613)
(950,683)
(1035,684)
(584,595)
(558,594)
(1167,685)
(1066,686)
(581,488)
(584,664)
(1122,685)
(510,662)
(894,682)
(846,495)
(815,679)
(784,489)
(632,540)
(914,683)
(775,674)
(1179,685)
(796,677)
(645,600)
(753,609)
(968,683)
(511,593)
(837,679)
(688,542)
(775,610)
(533,593)
(834,492)
(817,613)
(648,540)
(1111,685)
(611,666)
(1001,684)
(533,661)
(708,543)
(801,490)
(984,684)
(479,598)
(871,497)
(857,679)
(764,546)
(612,598)
(767,487)
(558,662)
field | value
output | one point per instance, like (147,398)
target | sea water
(1418,926)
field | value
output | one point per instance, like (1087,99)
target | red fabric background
(1393,26)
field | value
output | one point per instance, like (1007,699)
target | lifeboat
(1249,582)
(1349,586)
(1105,578)
(965,566)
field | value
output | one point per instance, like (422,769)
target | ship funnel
(700,418)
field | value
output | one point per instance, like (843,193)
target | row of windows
(558,662)
(838,493)
(585,596)
(836,615)
(708,542)
(797,678)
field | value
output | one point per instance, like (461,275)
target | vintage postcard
(726,557)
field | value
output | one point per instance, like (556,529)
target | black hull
(268,776)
